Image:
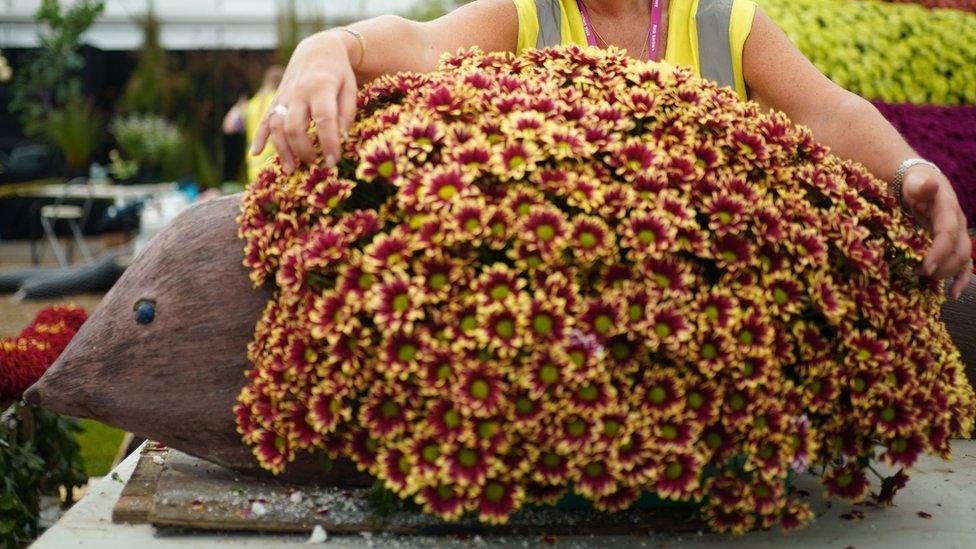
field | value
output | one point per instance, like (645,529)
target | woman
(730,41)
(246,116)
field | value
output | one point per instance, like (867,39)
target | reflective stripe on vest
(714,41)
(550,14)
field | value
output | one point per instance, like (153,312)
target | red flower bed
(946,136)
(25,358)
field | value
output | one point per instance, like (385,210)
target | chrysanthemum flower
(847,481)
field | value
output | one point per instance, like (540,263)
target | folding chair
(71,214)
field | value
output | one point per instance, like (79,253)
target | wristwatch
(896,187)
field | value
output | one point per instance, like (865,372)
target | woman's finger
(296,132)
(347,103)
(962,281)
(945,232)
(277,125)
(261,137)
(325,113)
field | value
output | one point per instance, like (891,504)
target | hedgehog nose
(33,395)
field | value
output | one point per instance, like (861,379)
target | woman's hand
(928,195)
(319,85)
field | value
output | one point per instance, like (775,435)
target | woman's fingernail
(330,161)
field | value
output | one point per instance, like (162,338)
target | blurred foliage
(77,128)
(50,78)
(428,10)
(154,143)
(99,445)
(38,455)
(154,88)
(296,20)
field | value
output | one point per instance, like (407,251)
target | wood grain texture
(198,495)
(176,379)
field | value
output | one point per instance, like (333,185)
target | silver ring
(279,109)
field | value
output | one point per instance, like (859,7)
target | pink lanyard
(653,30)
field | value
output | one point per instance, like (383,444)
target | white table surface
(946,490)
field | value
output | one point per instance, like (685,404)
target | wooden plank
(136,500)
(192,493)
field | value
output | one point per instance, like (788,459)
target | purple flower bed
(946,136)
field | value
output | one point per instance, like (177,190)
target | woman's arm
(322,76)
(779,76)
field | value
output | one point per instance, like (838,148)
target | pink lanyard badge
(653,30)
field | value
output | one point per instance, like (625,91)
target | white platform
(944,490)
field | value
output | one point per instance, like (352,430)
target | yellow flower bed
(900,53)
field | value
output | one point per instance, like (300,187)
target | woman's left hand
(928,195)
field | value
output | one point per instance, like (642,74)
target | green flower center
(437,281)
(545,232)
(780,295)
(713,440)
(310,355)
(372,444)
(452,419)
(603,324)
(611,427)
(480,389)
(468,323)
(662,280)
(695,400)
(711,311)
(549,373)
(487,429)
(403,464)
(505,328)
(888,414)
(445,491)
(724,218)
(524,406)
(746,337)
(577,357)
(760,423)
(674,471)
(766,451)
(636,312)
(467,457)
(737,402)
(430,453)
(844,479)
(620,350)
(729,256)
(515,162)
(407,352)
(386,169)
(542,324)
(472,224)
(365,281)
(447,192)
(647,236)
(576,428)
(279,444)
(863,354)
(401,303)
(444,371)
(589,393)
(587,240)
(657,395)
(389,409)
(333,202)
(552,460)
(500,291)
(899,444)
(859,385)
(595,469)
(494,492)
(709,351)
(662,329)
(669,432)
(498,229)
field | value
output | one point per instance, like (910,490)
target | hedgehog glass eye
(145,312)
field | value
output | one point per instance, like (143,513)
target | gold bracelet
(362,44)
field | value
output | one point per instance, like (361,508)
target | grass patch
(99,444)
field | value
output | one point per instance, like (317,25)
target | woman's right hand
(319,85)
